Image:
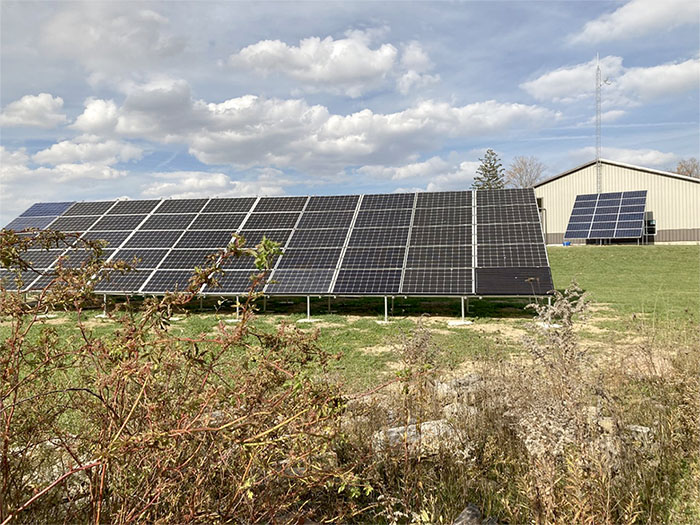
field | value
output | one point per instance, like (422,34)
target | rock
(459,389)
(471,515)
(432,436)
(458,410)
(640,431)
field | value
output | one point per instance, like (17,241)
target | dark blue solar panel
(600,216)
(22,223)
(46,208)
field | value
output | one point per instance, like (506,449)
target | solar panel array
(618,215)
(439,244)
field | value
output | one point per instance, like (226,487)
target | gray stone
(471,515)
(432,436)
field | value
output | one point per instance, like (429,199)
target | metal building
(673,200)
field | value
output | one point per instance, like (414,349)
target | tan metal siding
(674,202)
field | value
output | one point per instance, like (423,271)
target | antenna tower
(598,166)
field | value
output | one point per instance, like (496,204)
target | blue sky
(110,99)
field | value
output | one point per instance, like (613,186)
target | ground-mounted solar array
(618,215)
(455,243)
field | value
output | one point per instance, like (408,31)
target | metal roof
(622,165)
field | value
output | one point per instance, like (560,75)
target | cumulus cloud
(42,111)
(636,19)
(193,184)
(110,40)
(624,86)
(99,116)
(640,157)
(69,152)
(253,131)
(347,65)
(443,174)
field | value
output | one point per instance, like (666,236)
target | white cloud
(569,83)
(42,111)
(624,86)
(347,65)
(647,83)
(411,80)
(69,152)
(638,18)
(112,41)
(641,157)
(251,131)
(193,184)
(442,174)
(100,116)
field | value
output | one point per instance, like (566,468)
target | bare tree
(524,172)
(689,167)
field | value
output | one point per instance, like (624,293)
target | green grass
(660,280)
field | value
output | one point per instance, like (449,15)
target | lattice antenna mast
(598,165)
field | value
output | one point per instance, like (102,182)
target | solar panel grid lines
(511,255)
(230,205)
(378,237)
(265,221)
(441,235)
(89,208)
(280,204)
(367,282)
(128,283)
(24,223)
(345,244)
(202,203)
(368,258)
(437,281)
(332,203)
(316,220)
(300,281)
(474,239)
(254,237)
(518,233)
(218,221)
(507,214)
(322,258)
(46,209)
(161,281)
(442,216)
(168,221)
(134,207)
(408,241)
(440,257)
(384,218)
(291,235)
(145,258)
(119,222)
(447,199)
(386,201)
(232,282)
(181,206)
(602,213)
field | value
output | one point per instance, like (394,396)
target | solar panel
(187,259)
(235,205)
(118,222)
(153,239)
(218,221)
(447,199)
(379,237)
(374,257)
(74,224)
(368,282)
(46,209)
(378,219)
(275,204)
(441,235)
(264,221)
(167,222)
(129,282)
(75,258)
(442,216)
(300,282)
(615,215)
(438,281)
(113,239)
(181,206)
(128,207)
(341,219)
(318,238)
(380,244)
(387,201)
(333,203)
(41,259)
(24,223)
(205,239)
(439,257)
(323,258)
(89,208)
(168,281)
(144,258)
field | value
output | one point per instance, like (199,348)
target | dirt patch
(502,328)
(378,349)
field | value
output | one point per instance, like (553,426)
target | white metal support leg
(103,315)
(308,312)
(236,319)
(462,322)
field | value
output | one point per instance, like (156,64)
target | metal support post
(462,308)
(392,305)
(308,307)
(264,303)
(329,304)
(549,300)
(238,307)
(201,303)
(386,310)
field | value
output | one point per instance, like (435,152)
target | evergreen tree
(490,175)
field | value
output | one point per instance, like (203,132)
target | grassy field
(627,280)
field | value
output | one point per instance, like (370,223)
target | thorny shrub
(141,425)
